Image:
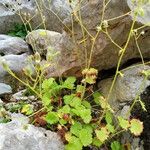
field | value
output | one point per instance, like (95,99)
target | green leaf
(88,127)
(110,128)
(80,89)
(46,99)
(76,101)
(72,100)
(75,112)
(68,98)
(69,83)
(146,72)
(102,134)
(85,136)
(108,117)
(96,142)
(27,109)
(142,104)
(96,96)
(74,144)
(75,128)
(90,79)
(47,83)
(64,110)
(85,114)
(52,117)
(62,121)
(104,104)
(116,146)
(78,110)
(136,127)
(86,104)
(123,123)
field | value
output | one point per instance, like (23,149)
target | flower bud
(4,64)
(37,57)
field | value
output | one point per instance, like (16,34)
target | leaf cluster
(18,30)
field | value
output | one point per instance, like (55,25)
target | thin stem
(24,83)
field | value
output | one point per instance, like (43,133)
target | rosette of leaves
(19,30)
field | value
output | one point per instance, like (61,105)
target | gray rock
(126,88)
(5,89)
(12,45)
(105,54)
(51,11)
(16,63)
(44,41)
(144,18)
(124,112)
(18,135)
(19,118)
(56,47)
(21,96)
(136,142)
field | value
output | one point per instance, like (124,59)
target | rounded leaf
(136,127)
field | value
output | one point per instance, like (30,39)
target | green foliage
(4,117)
(27,109)
(85,136)
(19,31)
(123,123)
(136,127)
(74,113)
(116,146)
(69,83)
(74,144)
(108,117)
(102,134)
(142,104)
(52,117)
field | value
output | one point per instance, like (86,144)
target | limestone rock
(144,8)
(19,135)
(58,49)
(44,41)
(5,89)
(136,142)
(16,63)
(12,45)
(74,55)
(51,11)
(126,88)
(105,54)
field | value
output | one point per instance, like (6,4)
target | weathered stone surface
(12,45)
(16,63)
(144,18)
(136,142)
(57,48)
(20,96)
(44,41)
(105,54)
(126,88)
(51,11)
(19,135)
(5,89)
